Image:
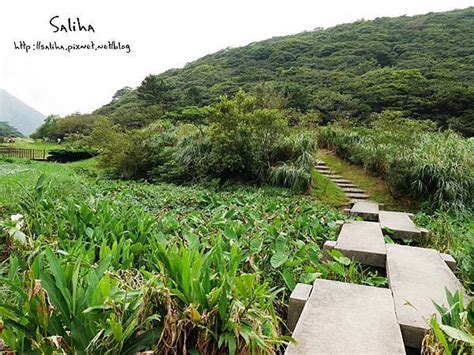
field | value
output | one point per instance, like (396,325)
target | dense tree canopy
(422,66)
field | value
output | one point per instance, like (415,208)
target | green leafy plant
(452,331)
(66,304)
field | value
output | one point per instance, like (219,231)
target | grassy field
(19,175)
(27,143)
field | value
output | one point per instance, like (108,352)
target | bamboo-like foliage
(433,166)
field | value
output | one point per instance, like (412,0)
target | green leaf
(339,257)
(309,277)
(338,269)
(289,279)
(440,336)
(278,259)
(457,334)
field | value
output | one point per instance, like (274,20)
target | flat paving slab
(400,223)
(363,242)
(367,210)
(343,318)
(417,277)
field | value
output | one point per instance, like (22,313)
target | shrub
(134,154)
(245,142)
(233,139)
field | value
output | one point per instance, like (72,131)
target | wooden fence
(33,154)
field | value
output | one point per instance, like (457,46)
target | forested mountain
(18,114)
(421,65)
(8,131)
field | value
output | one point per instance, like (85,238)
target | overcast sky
(162,35)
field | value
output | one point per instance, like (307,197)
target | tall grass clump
(431,166)
(440,167)
(297,173)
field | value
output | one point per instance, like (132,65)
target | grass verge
(328,192)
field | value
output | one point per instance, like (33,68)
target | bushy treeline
(234,139)
(412,156)
(420,65)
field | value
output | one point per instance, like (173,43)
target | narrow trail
(338,317)
(352,191)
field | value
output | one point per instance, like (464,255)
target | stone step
(401,224)
(356,195)
(352,189)
(355,200)
(363,242)
(298,299)
(329,172)
(417,277)
(332,176)
(343,181)
(325,172)
(367,210)
(346,318)
(322,168)
(346,184)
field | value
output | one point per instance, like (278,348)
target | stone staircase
(336,317)
(352,191)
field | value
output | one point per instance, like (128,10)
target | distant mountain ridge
(18,114)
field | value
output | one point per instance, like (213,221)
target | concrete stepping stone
(417,277)
(400,224)
(367,210)
(343,318)
(363,242)
(332,176)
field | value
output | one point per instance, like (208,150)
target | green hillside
(8,131)
(18,114)
(421,65)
